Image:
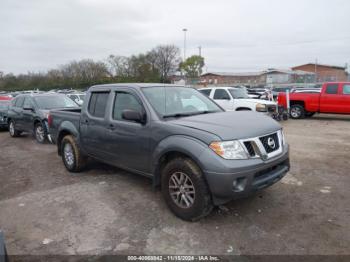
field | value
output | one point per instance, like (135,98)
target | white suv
(237,99)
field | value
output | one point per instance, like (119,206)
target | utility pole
(185,31)
(200,50)
(316,71)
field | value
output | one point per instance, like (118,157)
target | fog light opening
(239,184)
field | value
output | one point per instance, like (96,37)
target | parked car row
(198,153)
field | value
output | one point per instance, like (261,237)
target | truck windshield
(172,101)
(52,102)
(239,93)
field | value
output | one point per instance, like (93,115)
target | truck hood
(231,125)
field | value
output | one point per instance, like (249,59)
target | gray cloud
(36,35)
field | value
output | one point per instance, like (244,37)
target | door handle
(111,127)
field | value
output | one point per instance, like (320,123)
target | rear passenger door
(329,99)
(345,101)
(93,125)
(129,141)
(28,114)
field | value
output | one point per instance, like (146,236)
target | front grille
(270,143)
(249,148)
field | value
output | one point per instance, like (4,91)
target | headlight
(229,149)
(260,107)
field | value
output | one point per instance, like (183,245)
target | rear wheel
(71,154)
(185,190)
(297,112)
(40,133)
(12,129)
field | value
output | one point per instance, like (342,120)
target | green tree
(193,66)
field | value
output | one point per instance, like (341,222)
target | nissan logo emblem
(271,143)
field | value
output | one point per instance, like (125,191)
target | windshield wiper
(190,114)
(178,115)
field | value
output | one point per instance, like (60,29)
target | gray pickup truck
(198,154)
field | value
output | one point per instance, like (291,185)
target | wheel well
(60,137)
(164,159)
(297,102)
(243,109)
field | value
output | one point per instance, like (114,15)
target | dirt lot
(46,210)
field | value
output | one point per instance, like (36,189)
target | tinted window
(332,89)
(27,103)
(205,92)
(239,93)
(19,101)
(54,101)
(125,101)
(346,89)
(221,94)
(98,103)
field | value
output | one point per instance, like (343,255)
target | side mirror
(133,115)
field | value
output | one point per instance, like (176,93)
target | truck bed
(69,115)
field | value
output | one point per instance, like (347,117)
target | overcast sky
(235,35)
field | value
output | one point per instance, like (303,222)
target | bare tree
(167,60)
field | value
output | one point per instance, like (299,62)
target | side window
(98,103)
(221,94)
(19,101)
(13,102)
(346,89)
(125,101)
(332,89)
(205,92)
(27,103)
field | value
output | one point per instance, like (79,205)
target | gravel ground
(46,210)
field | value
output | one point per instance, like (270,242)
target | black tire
(12,129)
(76,161)
(202,203)
(40,133)
(309,114)
(297,112)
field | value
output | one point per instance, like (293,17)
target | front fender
(182,144)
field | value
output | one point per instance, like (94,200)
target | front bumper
(238,178)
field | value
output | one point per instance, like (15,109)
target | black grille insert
(249,148)
(270,142)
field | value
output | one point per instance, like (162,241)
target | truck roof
(133,85)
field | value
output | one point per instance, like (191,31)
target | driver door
(129,141)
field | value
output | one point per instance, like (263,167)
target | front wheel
(40,133)
(297,112)
(72,156)
(185,190)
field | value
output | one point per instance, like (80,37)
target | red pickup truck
(334,98)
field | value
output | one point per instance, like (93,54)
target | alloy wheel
(68,154)
(182,190)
